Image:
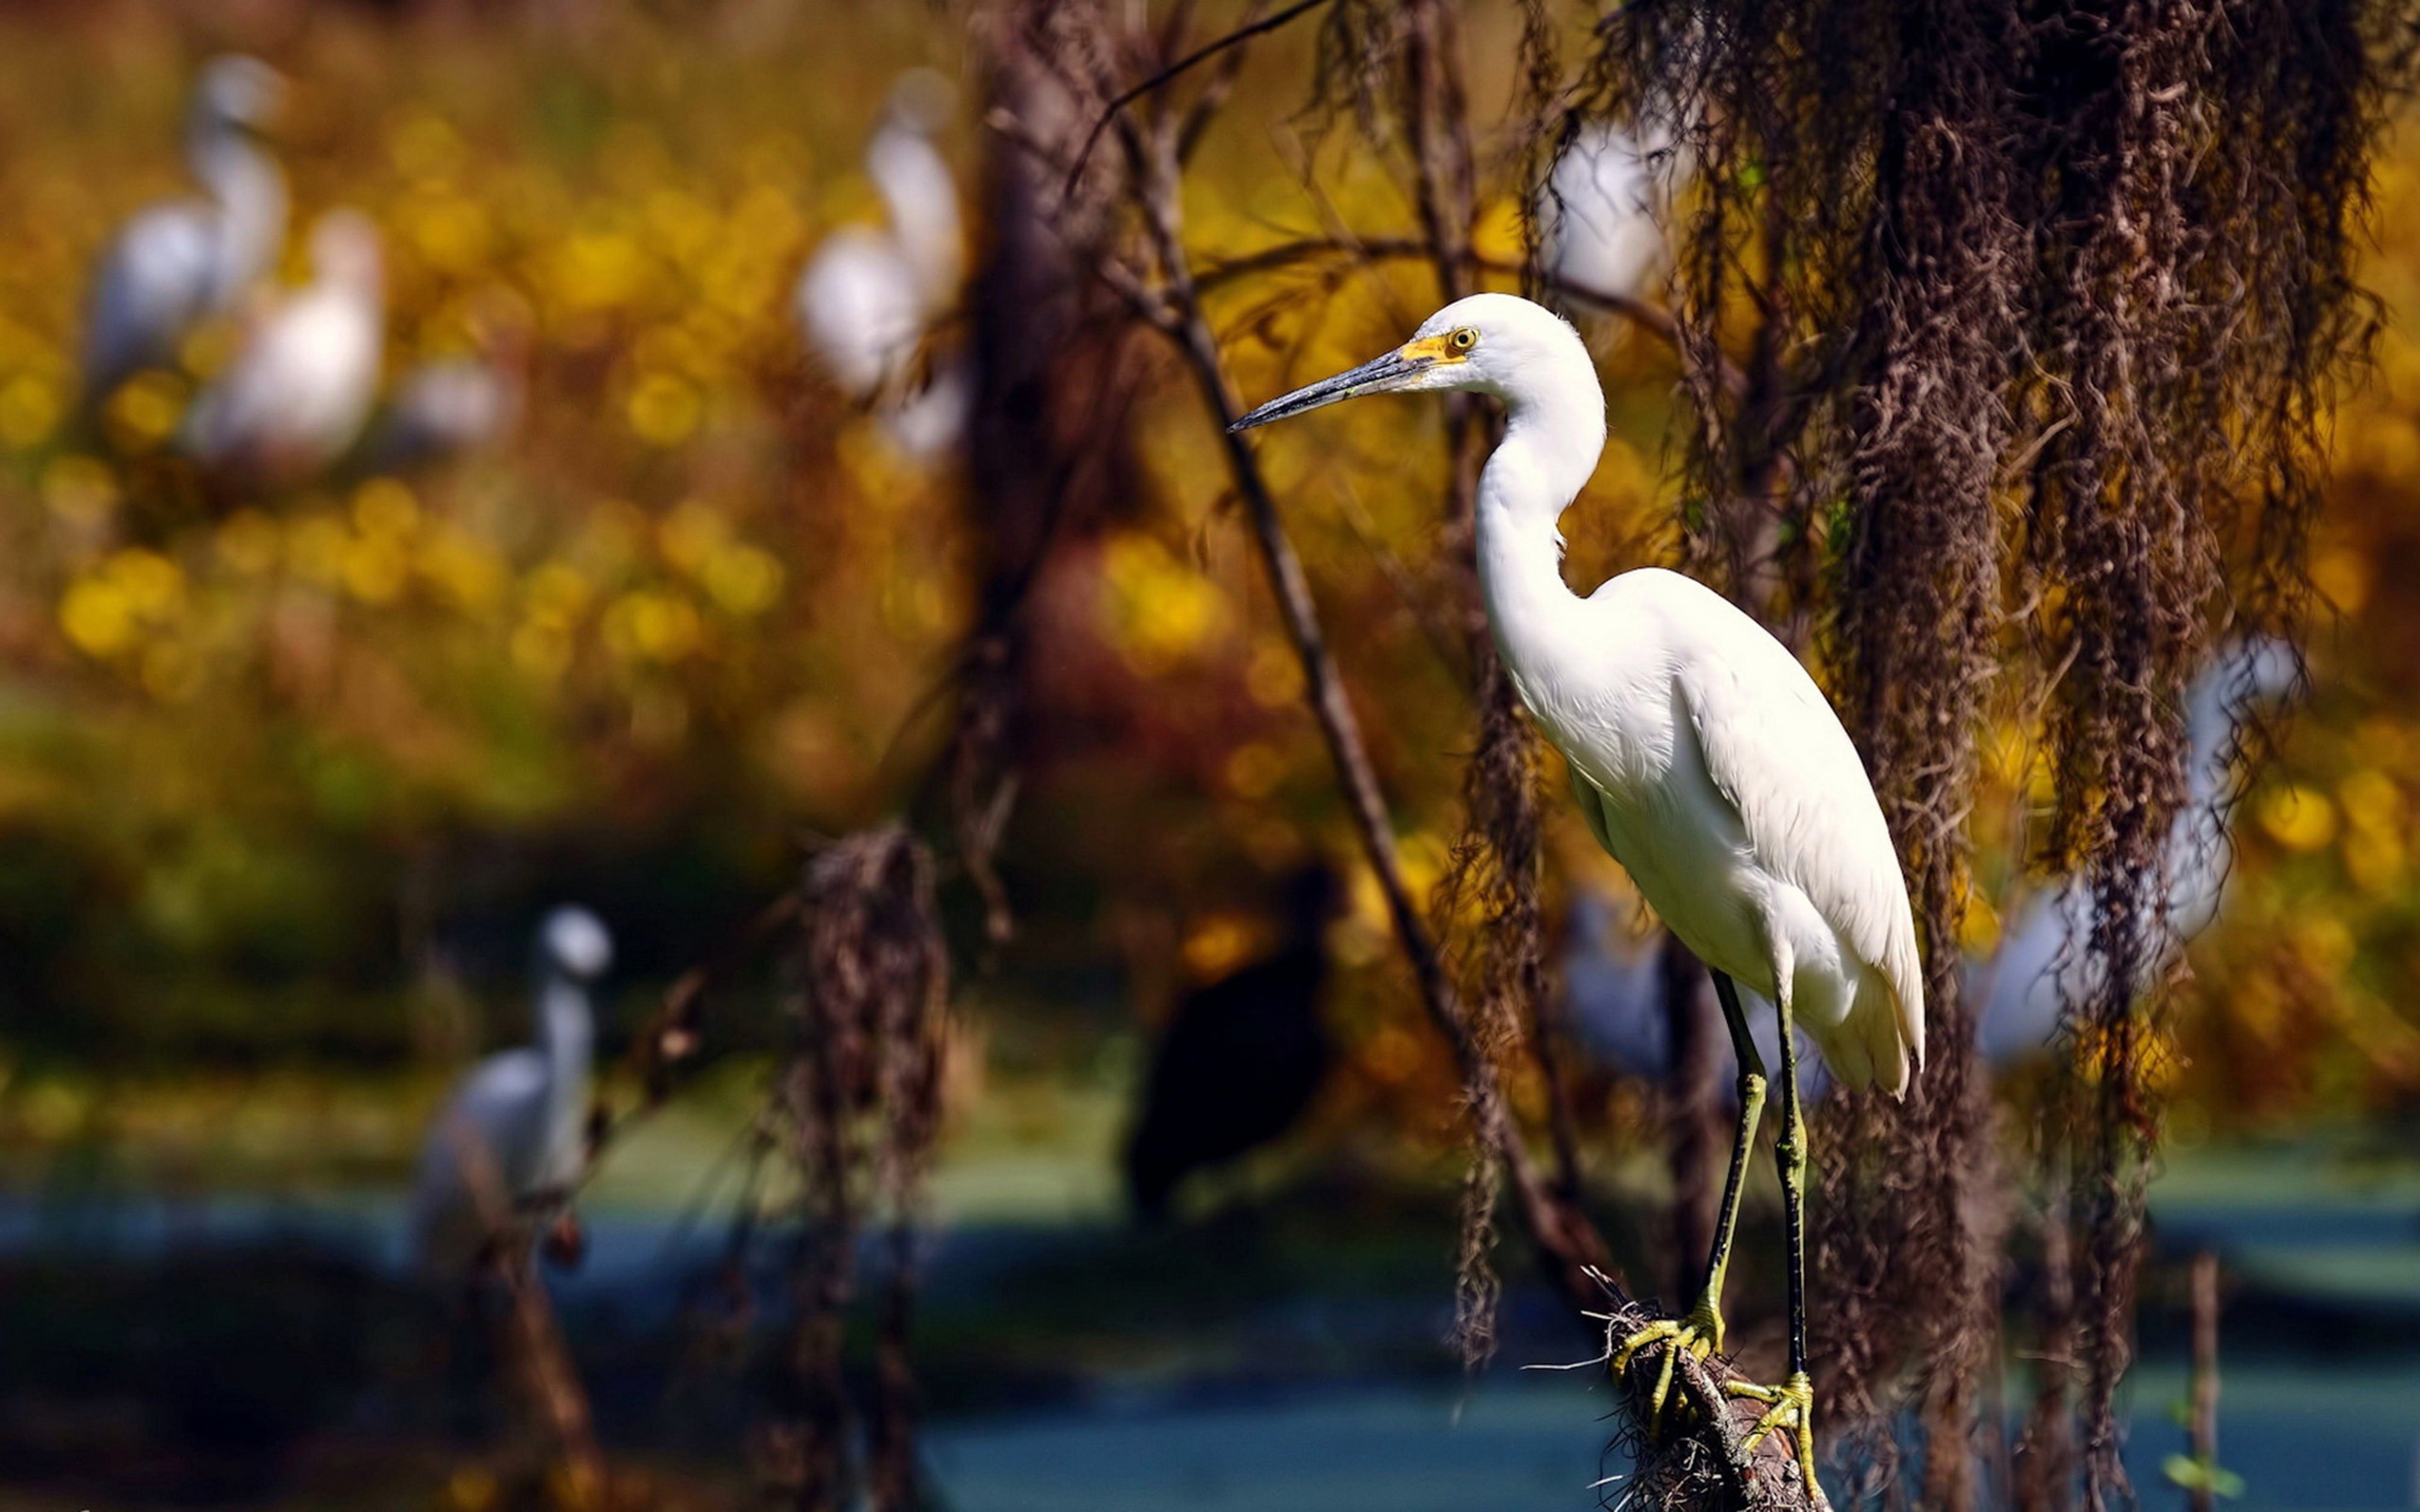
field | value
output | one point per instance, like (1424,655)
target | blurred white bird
(298,390)
(448,406)
(1604,211)
(514,1130)
(870,296)
(2043,960)
(176,263)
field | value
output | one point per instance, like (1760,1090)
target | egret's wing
(1778,755)
(1591,806)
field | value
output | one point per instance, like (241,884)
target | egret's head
(237,92)
(574,942)
(1489,343)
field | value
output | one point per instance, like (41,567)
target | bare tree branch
(1652,319)
(1241,34)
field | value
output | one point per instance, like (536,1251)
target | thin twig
(1652,319)
(530,1339)
(1208,50)
(672,1039)
(1566,1237)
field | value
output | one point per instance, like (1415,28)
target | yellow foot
(1793,1407)
(1699,1334)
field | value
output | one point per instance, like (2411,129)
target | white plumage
(177,263)
(446,406)
(1701,754)
(863,312)
(870,297)
(1603,209)
(1613,985)
(298,390)
(513,1128)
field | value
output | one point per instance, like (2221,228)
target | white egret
(177,261)
(1603,211)
(2044,962)
(870,296)
(1705,759)
(447,408)
(513,1133)
(298,390)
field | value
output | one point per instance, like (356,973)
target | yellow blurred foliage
(2297,818)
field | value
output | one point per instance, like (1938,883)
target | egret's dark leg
(1793,1403)
(1789,1153)
(1752,1108)
(1700,1331)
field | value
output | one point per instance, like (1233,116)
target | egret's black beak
(1373,377)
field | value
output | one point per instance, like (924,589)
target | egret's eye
(1464,339)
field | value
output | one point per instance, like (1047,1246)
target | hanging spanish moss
(1398,69)
(2026,314)
(1494,875)
(858,1104)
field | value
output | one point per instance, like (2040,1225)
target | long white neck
(922,197)
(566,1036)
(1552,438)
(250,192)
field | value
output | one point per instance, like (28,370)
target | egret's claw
(1793,1407)
(1700,1333)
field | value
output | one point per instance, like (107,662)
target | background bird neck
(252,202)
(566,1031)
(922,198)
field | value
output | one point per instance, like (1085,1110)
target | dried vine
(858,1104)
(2063,287)
(1403,68)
